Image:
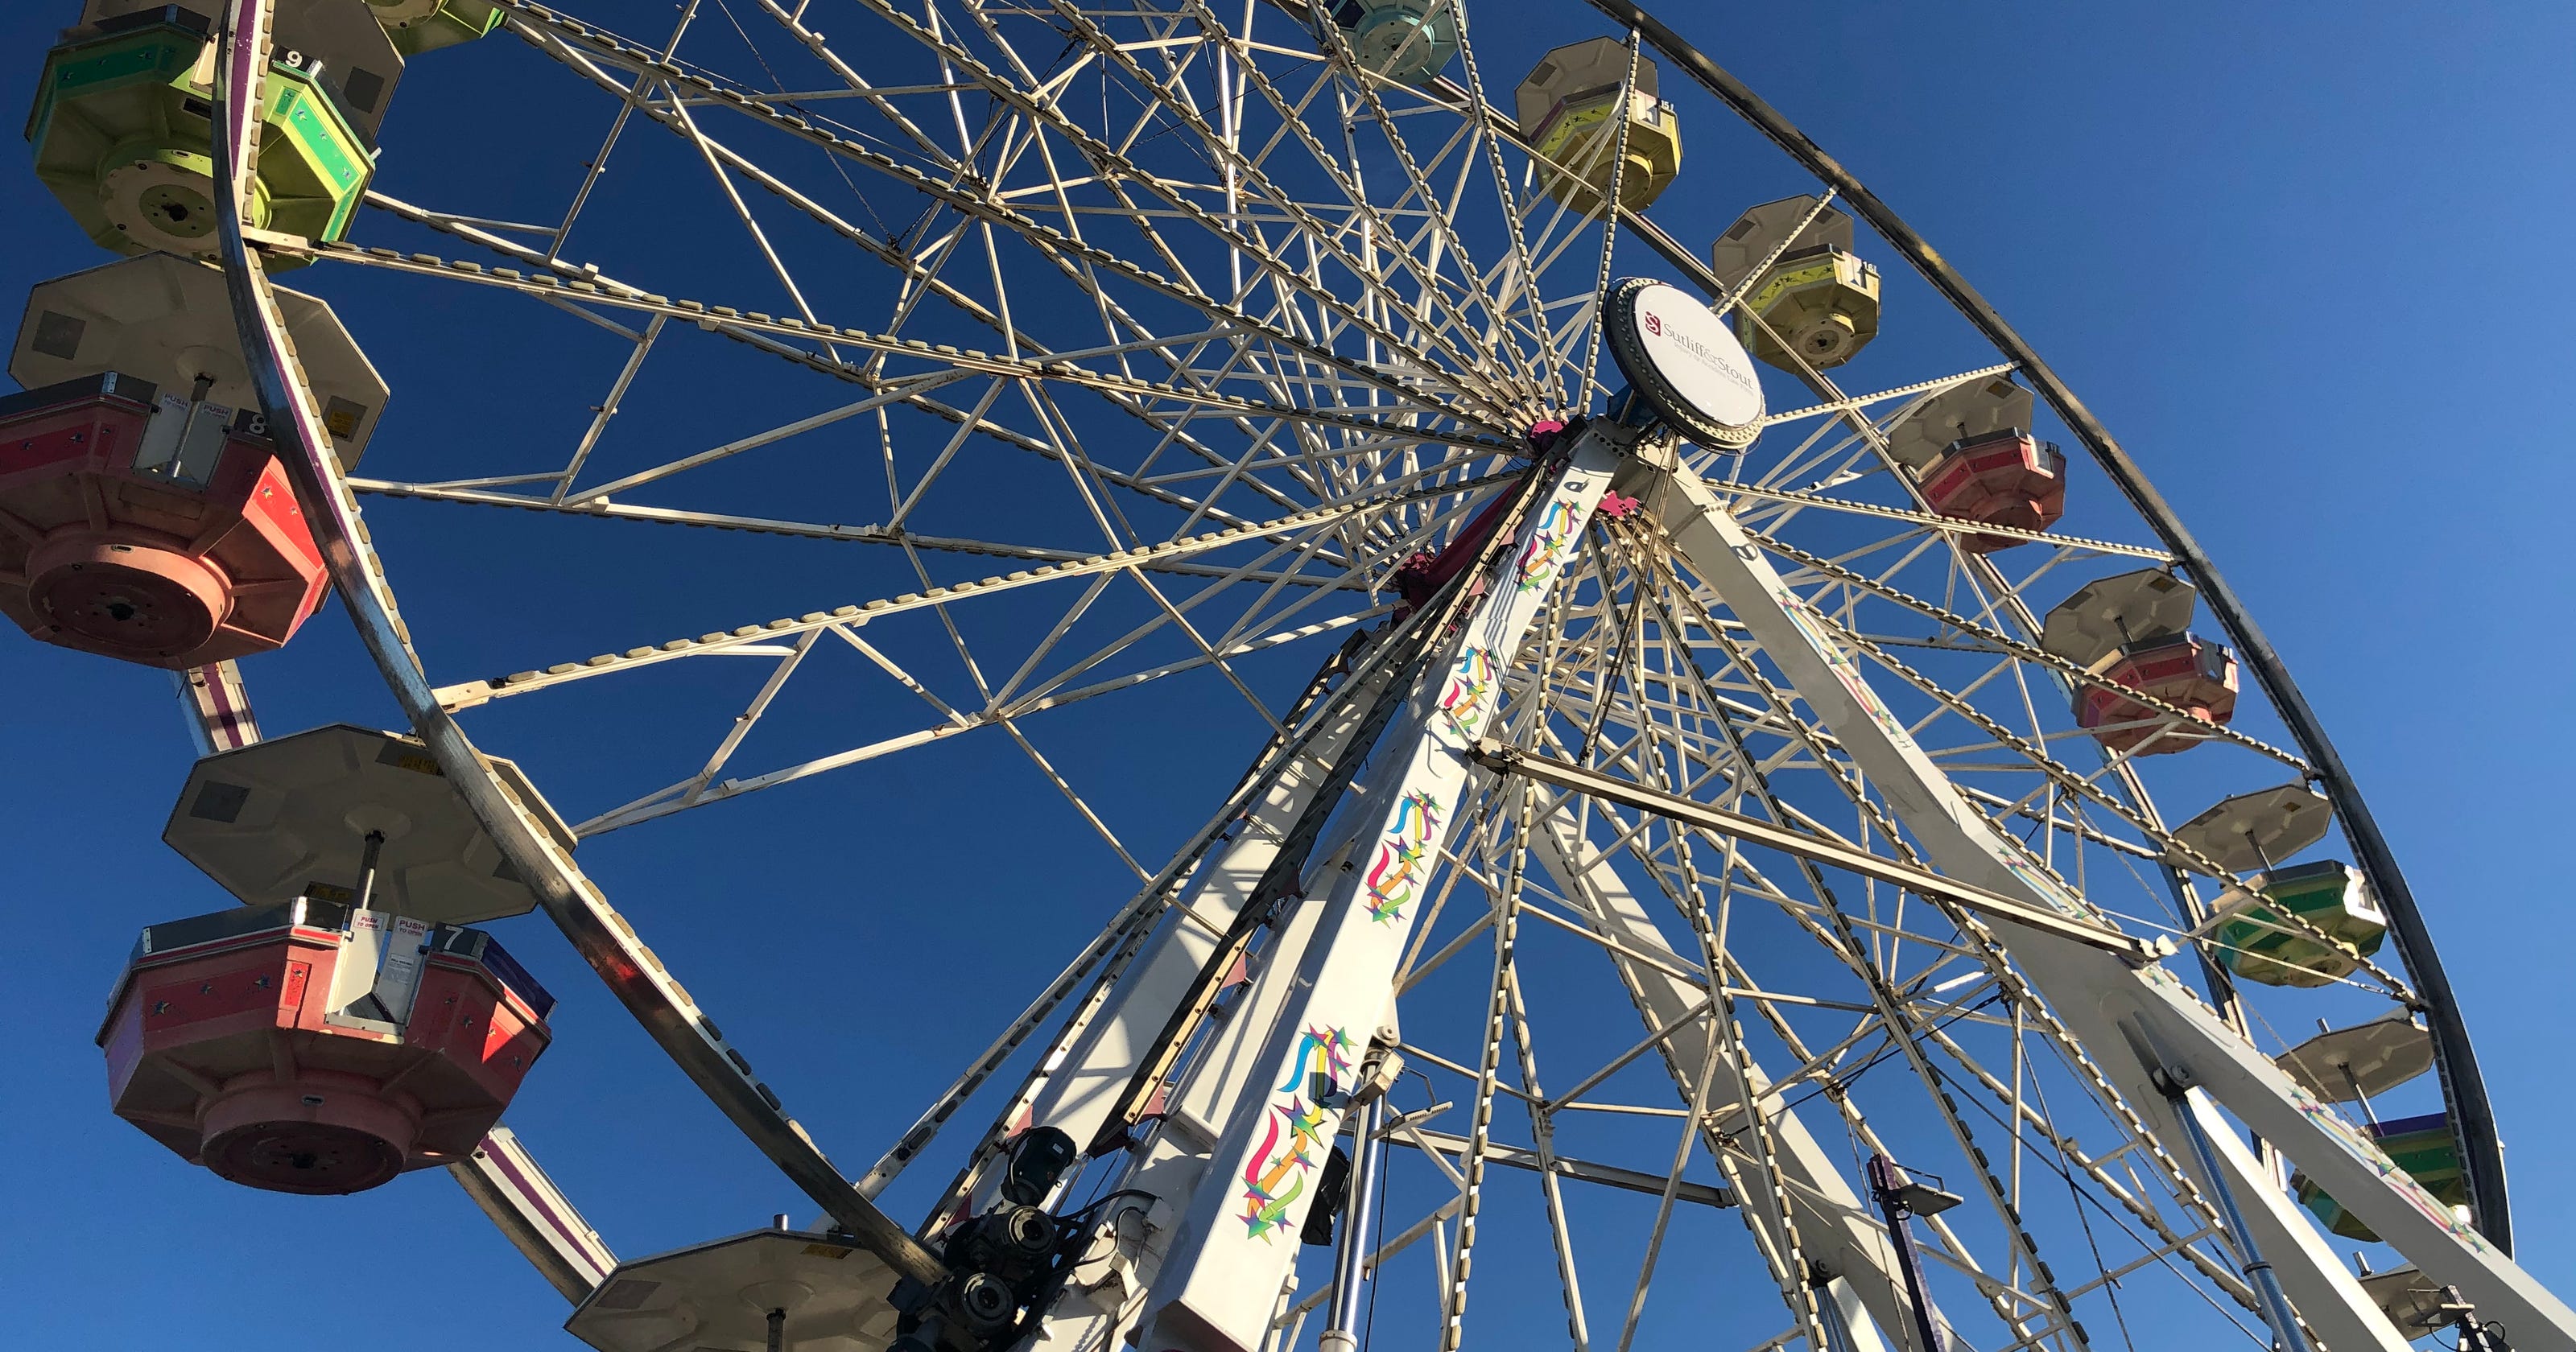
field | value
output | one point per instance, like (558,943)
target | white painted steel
(1331,395)
(2133,1019)
(1221,1298)
(522,1201)
(1082,1080)
(217,707)
(1833,1222)
(296,423)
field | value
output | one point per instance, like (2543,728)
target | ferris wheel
(1743,811)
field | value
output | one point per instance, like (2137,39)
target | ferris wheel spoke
(597,164)
(997,708)
(1946,701)
(984,206)
(2022,1247)
(467,493)
(992,709)
(677,797)
(949,364)
(1957,1255)
(1044,692)
(749,718)
(1206,649)
(1309,227)
(1417,193)
(2064,778)
(1242,172)
(607,407)
(688,125)
(1778,1234)
(1999,600)
(1836,946)
(1918,394)
(2076,546)
(1524,283)
(1588,369)
(896,391)
(1081,808)
(2197,1245)
(1765,1159)
(1843,779)
(1302,524)
(882,101)
(920,278)
(1672,1006)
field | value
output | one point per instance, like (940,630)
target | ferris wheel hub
(1679,355)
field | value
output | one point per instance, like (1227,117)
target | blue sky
(2302,262)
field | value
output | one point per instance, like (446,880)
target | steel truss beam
(2463,1085)
(2134,1021)
(1494,755)
(1809,1195)
(1333,966)
(602,936)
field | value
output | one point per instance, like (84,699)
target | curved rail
(608,944)
(603,937)
(2463,1086)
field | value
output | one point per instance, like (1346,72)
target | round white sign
(1684,360)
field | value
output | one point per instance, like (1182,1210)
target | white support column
(1172,1163)
(1834,1228)
(1236,1242)
(2131,1018)
(1084,1079)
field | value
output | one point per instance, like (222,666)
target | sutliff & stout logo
(1654,323)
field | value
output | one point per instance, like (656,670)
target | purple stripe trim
(532,1200)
